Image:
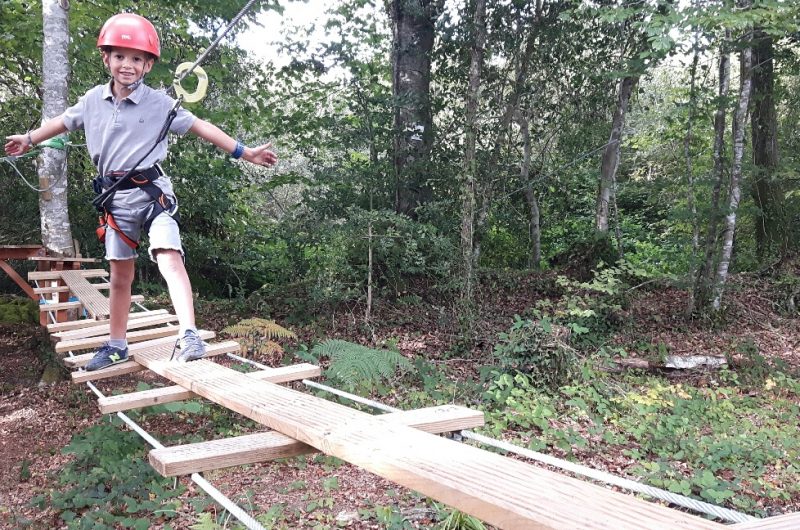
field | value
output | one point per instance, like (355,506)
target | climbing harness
(105,188)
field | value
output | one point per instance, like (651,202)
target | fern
(357,366)
(257,336)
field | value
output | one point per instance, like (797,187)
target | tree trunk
(739,122)
(704,278)
(687,153)
(413,34)
(52,164)
(608,170)
(770,226)
(534,229)
(470,162)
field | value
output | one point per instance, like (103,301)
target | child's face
(127,65)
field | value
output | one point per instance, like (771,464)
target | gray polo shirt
(119,133)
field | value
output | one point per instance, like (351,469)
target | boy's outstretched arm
(19,144)
(260,155)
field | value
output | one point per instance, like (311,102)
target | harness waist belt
(137,180)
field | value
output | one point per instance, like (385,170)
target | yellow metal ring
(202,83)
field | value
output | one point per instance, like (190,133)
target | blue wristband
(239,151)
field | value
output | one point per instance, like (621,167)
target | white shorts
(130,209)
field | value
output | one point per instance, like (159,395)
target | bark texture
(608,169)
(767,192)
(739,123)
(52,164)
(534,227)
(470,161)
(412,33)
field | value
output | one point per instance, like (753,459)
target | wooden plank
(16,278)
(788,521)
(130,367)
(56,275)
(169,394)
(89,343)
(65,289)
(104,327)
(95,303)
(499,490)
(20,251)
(79,324)
(260,447)
(77,361)
(70,260)
(59,306)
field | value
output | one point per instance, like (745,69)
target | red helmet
(127,30)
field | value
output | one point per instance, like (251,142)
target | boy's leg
(116,349)
(170,263)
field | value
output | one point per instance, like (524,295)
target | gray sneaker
(105,356)
(191,347)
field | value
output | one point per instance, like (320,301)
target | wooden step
(79,304)
(105,327)
(129,367)
(169,394)
(788,521)
(86,323)
(65,260)
(56,275)
(77,361)
(65,289)
(90,343)
(94,302)
(260,447)
(501,491)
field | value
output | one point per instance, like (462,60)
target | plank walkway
(400,446)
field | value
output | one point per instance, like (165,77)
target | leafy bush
(537,349)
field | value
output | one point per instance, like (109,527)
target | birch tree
(52,164)
(734,192)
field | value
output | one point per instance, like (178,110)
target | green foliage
(718,443)
(109,484)
(17,310)
(458,520)
(537,349)
(359,367)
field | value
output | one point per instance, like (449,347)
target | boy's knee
(168,260)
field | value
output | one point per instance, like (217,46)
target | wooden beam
(260,447)
(71,260)
(16,278)
(169,394)
(105,327)
(87,343)
(78,324)
(94,302)
(77,361)
(65,289)
(56,275)
(77,305)
(499,490)
(130,367)
(788,521)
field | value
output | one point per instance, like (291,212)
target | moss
(18,310)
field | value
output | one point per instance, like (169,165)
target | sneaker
(105,356)
(192,347)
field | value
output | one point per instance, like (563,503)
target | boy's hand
(261,155)
(17,145)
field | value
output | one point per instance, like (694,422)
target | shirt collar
(134,97)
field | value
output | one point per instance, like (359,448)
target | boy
(122,121)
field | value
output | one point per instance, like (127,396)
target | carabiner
(202,83)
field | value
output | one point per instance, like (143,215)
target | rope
(54,143)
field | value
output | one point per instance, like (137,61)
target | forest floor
(37,422)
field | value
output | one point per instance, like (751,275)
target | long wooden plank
(260,447)
(105,327)
(79,324)
(65,289)
(502,491)
(169,394)
(789,521)
(77,361)
(95,303)
(66,260)
(56,275)
(130,367)
(88,343)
